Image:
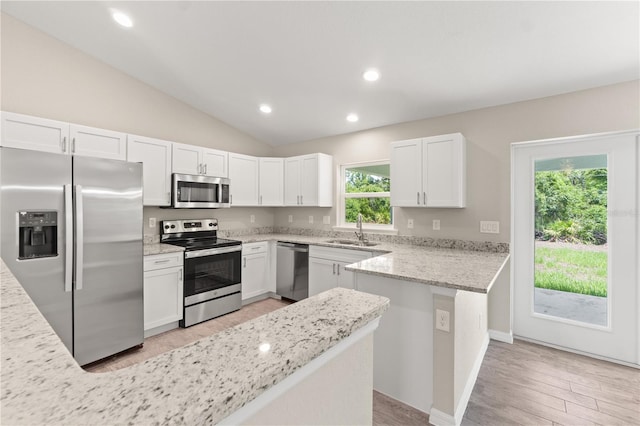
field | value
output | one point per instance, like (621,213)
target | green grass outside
(575,271)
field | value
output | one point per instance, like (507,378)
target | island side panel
(339,393)
(403,351)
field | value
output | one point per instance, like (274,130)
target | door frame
(514,273)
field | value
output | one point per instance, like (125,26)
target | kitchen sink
(353,243)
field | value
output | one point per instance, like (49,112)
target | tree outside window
(366,191)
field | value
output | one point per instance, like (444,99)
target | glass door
(575,229)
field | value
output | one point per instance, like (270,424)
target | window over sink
(365,190)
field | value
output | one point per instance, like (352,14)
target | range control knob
(173,226)
(210,224)
(166,227)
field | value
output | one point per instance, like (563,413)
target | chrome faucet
(359,232)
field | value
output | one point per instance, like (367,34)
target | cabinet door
(322,275)
(186,159)
(292,181)
(271,182)
(443,176)
(345,278)
(215,162)
(406,173)
(254,275)
(92,142)
(243,172)
(155,156)
(162,297)
(309,181)
(39,134)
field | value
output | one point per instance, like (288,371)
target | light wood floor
(521,383)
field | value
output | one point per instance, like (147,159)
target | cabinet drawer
(161,261)
(254,248)
(338,254)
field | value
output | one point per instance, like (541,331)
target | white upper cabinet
(38,134)
(92,142)
(155,156)
(308,180)
(197,160)
(41,134)
(429,172)
(271,187)
(243,173)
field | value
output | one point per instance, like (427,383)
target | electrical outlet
(310,219)
(253,218)
(489,227)
(290,218)
(326,220)
(410,223)
(152,222)
(436,224)
(442,320)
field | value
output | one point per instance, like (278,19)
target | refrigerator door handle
(68,242)
(79,237)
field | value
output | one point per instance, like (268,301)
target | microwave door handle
(68,238)
(79,236)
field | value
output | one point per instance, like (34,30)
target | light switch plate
(410,223)
(253,218)
(290,218)
(326,220)
(436,224)
(152,222)
(442,320)
(489,227)
(310,219)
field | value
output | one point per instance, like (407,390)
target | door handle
(334,269)
(64,144)
(418,197)
(79,237)
(73,145)
(424,198)
(68,235)
(205,169)
(180,275)
(338,268)
(199,168)
(245,262)
(302,200)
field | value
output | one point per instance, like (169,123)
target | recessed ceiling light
(122,19)
(371,75)
(265,108)
(352,118)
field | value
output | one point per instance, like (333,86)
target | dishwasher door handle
(294,247)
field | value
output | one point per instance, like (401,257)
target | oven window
(197,192)
(211,272)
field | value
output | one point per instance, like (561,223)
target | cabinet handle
(418,197)
(168,197)
(424,198)
(180,275)
(260,200)
(338,268)
(64,144)
(245,262)
(334,269)
(73,145)
(199,168)
(255,248)
(230,198)
(158,262)
(205,169)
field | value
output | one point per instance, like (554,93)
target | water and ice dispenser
(38,234)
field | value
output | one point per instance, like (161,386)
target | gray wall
(489,133)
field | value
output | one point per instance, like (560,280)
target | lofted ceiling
(306,59)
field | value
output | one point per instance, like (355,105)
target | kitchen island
(241,375)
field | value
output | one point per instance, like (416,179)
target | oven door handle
(212,252)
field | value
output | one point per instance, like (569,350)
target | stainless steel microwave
(199,192)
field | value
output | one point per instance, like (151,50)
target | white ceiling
(306,59)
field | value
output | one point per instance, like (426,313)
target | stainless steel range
(212,269)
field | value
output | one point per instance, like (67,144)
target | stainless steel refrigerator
(71,232)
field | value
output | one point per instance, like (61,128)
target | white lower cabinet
(163,292)
(327,268)
(255,269)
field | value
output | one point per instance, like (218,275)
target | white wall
(489,133)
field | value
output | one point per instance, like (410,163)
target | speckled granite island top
(469,270)
(197,384)
(158,248)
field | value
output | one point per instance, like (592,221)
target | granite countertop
(469,270)
(200,383)
(159,248)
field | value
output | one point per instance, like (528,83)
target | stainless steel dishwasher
(292,272)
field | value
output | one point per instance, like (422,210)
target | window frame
(343,196)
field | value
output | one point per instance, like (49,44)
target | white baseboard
(439,418)
(501,336)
